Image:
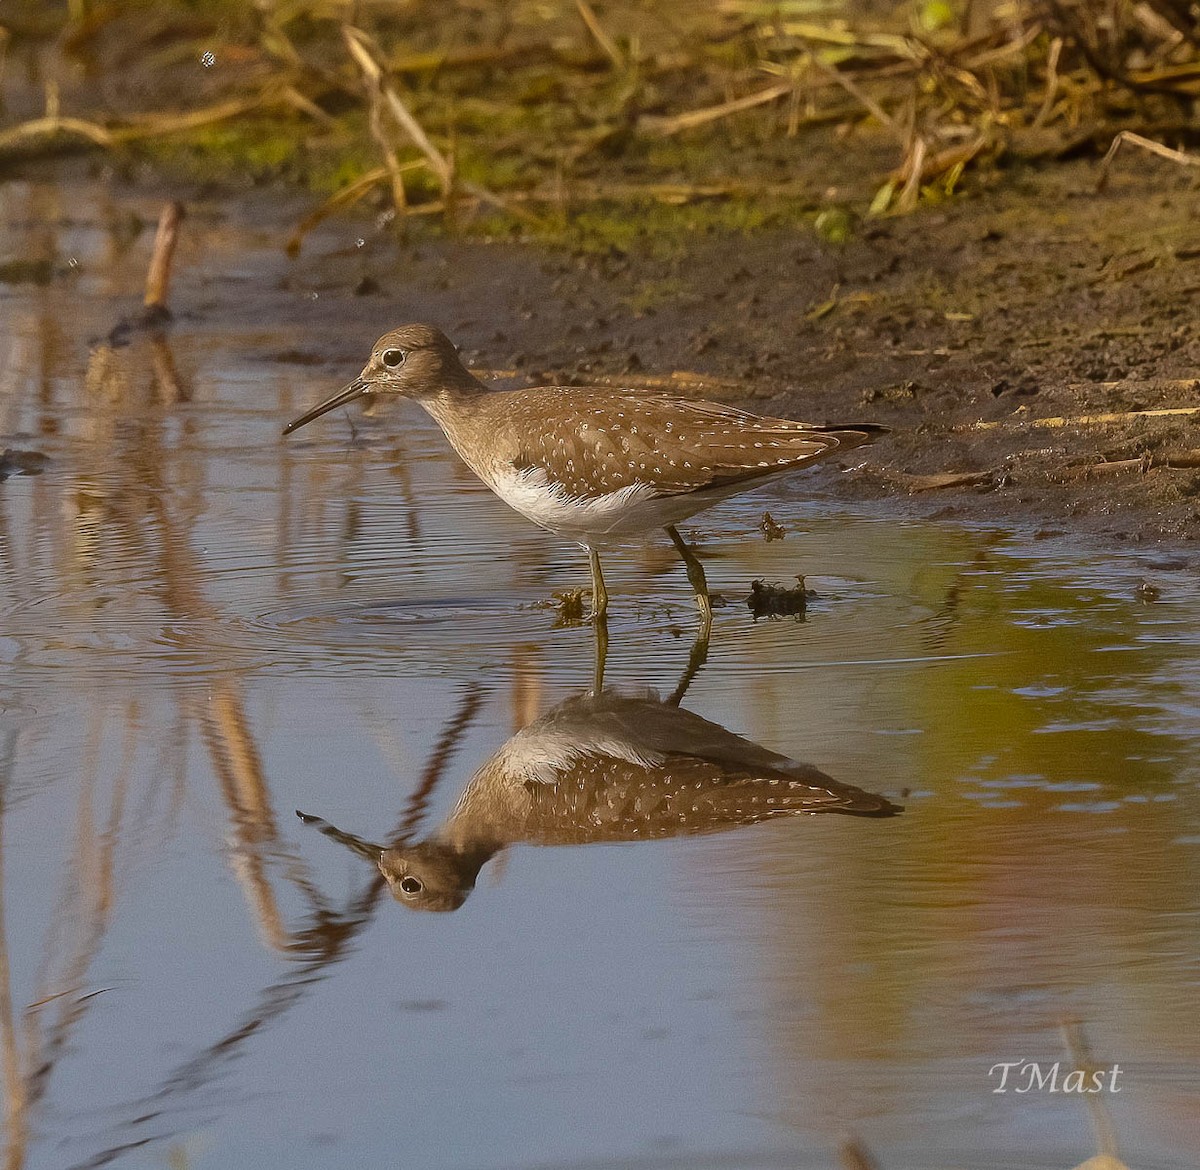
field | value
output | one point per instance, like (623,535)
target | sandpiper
(592,463)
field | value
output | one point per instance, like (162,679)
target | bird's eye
(411,885)
(392,358)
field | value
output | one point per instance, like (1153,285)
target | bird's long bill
(355,844)
(347,394)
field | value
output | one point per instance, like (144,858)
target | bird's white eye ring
(393,357)
(410,885)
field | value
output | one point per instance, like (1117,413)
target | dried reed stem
(608,46)
(1148,144)
(158,277)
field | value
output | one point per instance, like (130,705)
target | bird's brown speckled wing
(600,798)
(594,442)
(616,767)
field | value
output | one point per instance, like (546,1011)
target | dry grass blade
(1148,144)
(364,53)
(136,126)
(913,169)
(373,78)
(1051,82)
(693,118)
(50,127)
(856,91)
(901,46)
(346,197)
(938,163)
(150,125)
(295,98)
(607,45)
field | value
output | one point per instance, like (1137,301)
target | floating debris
(771,528)
(1144,591)
(567,605)
(774,601)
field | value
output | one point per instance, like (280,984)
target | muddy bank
(968,328)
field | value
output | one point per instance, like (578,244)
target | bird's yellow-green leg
(599,593)
(695,574)
(600,630)
(696,659)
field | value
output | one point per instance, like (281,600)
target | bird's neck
(459,383)
(456,409)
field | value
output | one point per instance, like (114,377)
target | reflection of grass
(553,102)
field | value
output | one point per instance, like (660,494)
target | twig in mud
(1084,420)
(1171,460)
(158,277)
(1175,156)
(936,480)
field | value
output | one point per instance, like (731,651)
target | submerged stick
(158,277)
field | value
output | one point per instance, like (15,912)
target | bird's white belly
(591,520)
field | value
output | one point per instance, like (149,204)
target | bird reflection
(603,767)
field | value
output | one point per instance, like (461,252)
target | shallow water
(204,627)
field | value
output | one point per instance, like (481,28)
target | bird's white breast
(587,519)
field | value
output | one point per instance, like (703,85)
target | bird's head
(430,875)
(415,361)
